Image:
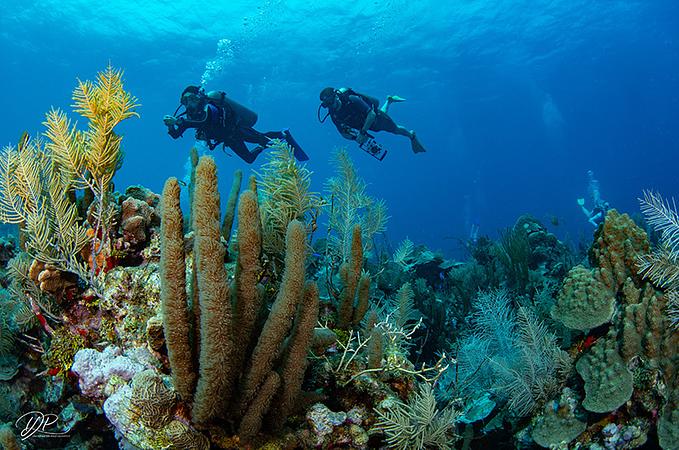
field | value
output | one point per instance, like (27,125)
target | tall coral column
(215,381)
(173,293)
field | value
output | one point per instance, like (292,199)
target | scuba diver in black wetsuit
(355,114)
(220,120)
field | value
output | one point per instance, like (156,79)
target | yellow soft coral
(38,182)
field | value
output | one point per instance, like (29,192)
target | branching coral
(510,353)
(514,253)
(285,192)
(32,194)
(404,254)
(351,205)
(37,182)
(6,333)
(662,266)
(419,424)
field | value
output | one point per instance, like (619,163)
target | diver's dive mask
(326,102)
(190,99)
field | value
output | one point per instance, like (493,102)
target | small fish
(23,140)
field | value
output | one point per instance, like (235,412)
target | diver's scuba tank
(244,117)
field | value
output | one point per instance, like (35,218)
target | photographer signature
(36,424)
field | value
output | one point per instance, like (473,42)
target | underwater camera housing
(374,149)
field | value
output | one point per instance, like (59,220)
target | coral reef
(145,413)
(332,429)
(140,327)
(97,371)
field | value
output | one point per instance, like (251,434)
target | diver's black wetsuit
(354,110)
(219,125)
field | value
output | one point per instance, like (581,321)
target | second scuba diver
(355,114)
(220,120)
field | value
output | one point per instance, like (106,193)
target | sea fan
(510,353)
(662,266)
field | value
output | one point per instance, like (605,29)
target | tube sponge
(230,212)
(252,421)
(175,312)
(215,381)
(350,273)
(282,312)
(248,268)
(363,302)
(294,363)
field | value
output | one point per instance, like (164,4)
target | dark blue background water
(515,100)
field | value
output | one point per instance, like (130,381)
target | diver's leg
(383,122)
(403,131)
(246,155)
(391,99)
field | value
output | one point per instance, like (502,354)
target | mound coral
(583,302)
(608,383)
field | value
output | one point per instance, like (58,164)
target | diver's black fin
(300,155)
(416,145)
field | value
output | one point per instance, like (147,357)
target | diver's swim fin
(300,155)
(296,149)
(416,145)
(395,99)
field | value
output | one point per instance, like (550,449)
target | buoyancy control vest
(242,116)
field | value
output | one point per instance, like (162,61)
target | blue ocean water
(515,100)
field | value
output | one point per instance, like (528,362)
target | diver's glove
(361,138)
(581,202)
(170,121)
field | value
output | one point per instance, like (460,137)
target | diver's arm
(595,218)
(369,111)
(369,120)
(345,131)
(347,135)
(177,125)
